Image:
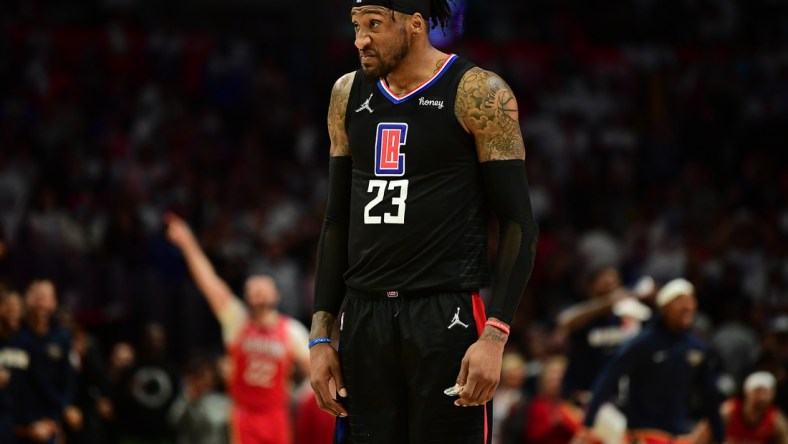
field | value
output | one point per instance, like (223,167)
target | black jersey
(417,215)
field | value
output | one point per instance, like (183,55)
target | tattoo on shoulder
(336,115)
(488,108)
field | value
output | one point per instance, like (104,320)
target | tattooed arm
(332,249)
(487,109)
(336,115)
(332,253)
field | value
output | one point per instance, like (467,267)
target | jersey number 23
(389,162)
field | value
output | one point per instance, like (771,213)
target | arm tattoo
(336,115)
(488,108)
(494,335)
(322,325)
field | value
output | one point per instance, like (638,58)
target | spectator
(53,389)
(147,391)
(15,371)
(200,413)
(510,393)
(597,327)
(664,364)
(549,419)
(92,395)
(754,418)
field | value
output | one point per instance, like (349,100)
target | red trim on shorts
(480,318)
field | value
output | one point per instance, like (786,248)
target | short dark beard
(384,68)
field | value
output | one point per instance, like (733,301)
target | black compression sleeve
(332,248)
(506,185)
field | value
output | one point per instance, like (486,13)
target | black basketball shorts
(399,352)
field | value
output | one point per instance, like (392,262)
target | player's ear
(417,23)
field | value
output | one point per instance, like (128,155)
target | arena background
(655,134)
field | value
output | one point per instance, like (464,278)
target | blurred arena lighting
(443,38)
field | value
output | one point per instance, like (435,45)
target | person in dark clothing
(423,144)
(664,364)
(14,370)
(597,327)
(92,394)
(147,391)
(53,380)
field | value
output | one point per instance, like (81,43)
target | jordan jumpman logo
(456,320)
(365,105)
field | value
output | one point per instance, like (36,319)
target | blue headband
(409,7)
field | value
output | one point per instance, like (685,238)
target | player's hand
(480,370)
(324,363)
(178,232)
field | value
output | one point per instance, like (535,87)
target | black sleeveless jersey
(418,220)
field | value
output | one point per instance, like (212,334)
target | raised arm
(487,109)
(215,290)
(579,315)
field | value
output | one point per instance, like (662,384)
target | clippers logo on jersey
(391,137)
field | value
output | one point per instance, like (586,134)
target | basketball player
(665,364)
(755,419)
(264,346)
(422,144)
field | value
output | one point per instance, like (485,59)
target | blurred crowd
(57,386)
(655,136)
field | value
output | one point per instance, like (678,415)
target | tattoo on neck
(438,66)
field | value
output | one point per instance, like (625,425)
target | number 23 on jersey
(389,162)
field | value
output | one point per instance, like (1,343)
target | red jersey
(550,422)
(739,432)
(261,364)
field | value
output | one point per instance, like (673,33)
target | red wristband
(499,325)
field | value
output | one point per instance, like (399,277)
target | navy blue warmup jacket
(664,369)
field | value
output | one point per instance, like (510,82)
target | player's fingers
(487,396)
(479,390)
(342,393)
(336,373)
(327,403)
(462,377)
(467,395)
